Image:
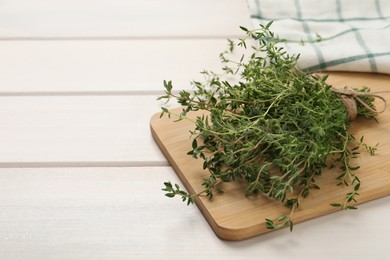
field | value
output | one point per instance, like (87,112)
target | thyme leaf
(278,127)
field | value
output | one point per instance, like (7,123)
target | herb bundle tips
(277,127)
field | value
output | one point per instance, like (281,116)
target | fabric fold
(338,35)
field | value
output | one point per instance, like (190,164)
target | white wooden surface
(78,131)
(80,175)
(121,18)
(104,66)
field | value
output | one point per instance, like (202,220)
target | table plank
(121,213)
(94,130)
(78,131)
(119,18)
(127,66)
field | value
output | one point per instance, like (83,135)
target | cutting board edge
(222,231)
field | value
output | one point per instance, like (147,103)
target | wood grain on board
(233,216)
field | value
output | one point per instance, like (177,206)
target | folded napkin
(331,35)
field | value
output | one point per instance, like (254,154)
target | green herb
(277,128)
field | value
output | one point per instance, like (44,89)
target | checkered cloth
(338,35)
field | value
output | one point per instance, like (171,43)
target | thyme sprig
(278,127)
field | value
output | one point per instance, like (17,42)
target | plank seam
(83,164)
(82,93)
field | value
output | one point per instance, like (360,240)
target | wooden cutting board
(233,216)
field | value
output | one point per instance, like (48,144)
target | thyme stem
(277,127)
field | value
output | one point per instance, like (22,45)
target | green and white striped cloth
(339,35)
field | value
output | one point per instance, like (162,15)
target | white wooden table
(80,175)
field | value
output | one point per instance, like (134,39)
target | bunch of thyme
(277,128)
